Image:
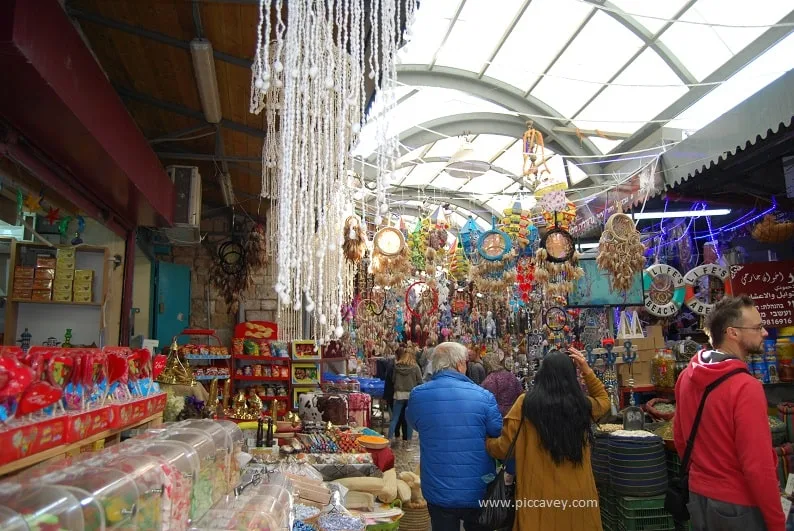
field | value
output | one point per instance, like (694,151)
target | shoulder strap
(513,444)
(709,388)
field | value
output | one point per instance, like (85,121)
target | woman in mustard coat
(555,488)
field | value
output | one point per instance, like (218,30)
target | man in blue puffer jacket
(453,416)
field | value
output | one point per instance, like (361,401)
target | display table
(112,436)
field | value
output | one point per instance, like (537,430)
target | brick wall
(260,299)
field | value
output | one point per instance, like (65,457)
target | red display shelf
(259,358)
(265,397)
(261,378)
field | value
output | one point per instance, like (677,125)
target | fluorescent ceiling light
(207,81)
(593,245)
(682,214)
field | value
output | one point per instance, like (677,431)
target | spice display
(665,431)
(634,433)
(609,428)
(660,408)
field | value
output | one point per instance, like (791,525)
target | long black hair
(559,410)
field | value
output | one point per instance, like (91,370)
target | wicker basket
(415,517)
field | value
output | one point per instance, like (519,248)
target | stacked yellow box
(83,285)
(64,275)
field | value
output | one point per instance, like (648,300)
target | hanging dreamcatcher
(495,274)
(557,265)
(234,263)
(620,251)
(390,265)
(355,240)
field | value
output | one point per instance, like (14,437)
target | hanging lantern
(469,236)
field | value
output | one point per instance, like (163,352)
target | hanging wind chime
(310,82)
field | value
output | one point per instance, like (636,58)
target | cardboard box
(64,274)
(84,275)
(24,272)
(23,283)
(83,297)
(42,295)
(30,439)
(65,265)
(641,369)
(85,424)
(62,295)
(82,287)
(46,262)
(42,283)
(62,285)
(126,413)
(66,254)
(24,294)
(44,272)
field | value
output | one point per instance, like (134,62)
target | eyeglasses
(757,328)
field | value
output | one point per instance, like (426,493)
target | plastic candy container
(180,464)
(150,479)
(44,508)
(267,510)
(202,496)
(116,493)
(238,439)
(223,450)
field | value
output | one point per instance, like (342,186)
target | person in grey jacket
(407,375)
(475,370)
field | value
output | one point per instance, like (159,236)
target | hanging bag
(498,506)
(677,496)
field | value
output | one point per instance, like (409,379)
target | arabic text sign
(771,285)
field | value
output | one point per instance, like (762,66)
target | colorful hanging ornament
(33,203)
(53,215)
(20,203)
(308,78)
(63,225)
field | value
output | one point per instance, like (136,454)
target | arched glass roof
(598,77)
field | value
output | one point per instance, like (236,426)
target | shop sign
(771,285)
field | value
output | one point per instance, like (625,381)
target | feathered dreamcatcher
(234,264)
(620,251)
(355,240)
(557,265)
(390,265)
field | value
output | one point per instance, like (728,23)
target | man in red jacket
(732,476)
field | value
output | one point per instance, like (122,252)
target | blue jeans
(399,406)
